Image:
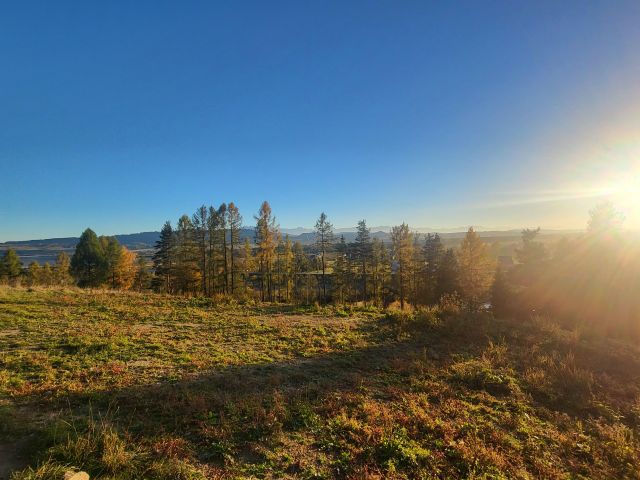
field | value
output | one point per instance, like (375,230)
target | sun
(625,195)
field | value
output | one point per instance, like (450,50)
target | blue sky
(120,115)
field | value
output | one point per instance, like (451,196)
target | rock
(76,476)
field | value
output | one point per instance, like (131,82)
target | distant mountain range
(45,250)
(306,236)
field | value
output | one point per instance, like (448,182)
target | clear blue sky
(119,115)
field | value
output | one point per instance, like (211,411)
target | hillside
(126,385)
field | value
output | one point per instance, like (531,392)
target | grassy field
(129,386)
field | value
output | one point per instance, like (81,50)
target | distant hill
(45,250)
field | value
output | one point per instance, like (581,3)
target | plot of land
(146,386)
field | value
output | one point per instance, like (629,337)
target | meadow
(127,385)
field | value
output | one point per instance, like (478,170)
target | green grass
(126,385)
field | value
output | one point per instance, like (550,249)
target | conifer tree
(417,270)
(324,242)
(88,264)
(34,274)
(300,265)
(112,256)
(222,215)
(164,259)
(363,252)
(500,294)
(446,275)
(143,277)
(266,231)
(215,247)
(234,219)
(10,266)
(47,275)
(433,252)
(247,262)
(402,242)
(125,269)
(61,269)
(288,265)
(187,271)
(341,272)
(200,221)
(380,267)
(531,257)
(476,269)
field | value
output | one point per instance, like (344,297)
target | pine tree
(380,267)
(433,252)
(266,231)
(234,219)
(10,266)
(112,256)
(402,242)
(88,264)
(61,269)
(324,243)
(363,252)
(164,259)
(446,275)
(200,221)
(476,269)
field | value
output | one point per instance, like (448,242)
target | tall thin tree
(324,242)
(234,219)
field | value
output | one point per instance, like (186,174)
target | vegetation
(590,279)
(140,385)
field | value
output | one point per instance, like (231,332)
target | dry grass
(146,386)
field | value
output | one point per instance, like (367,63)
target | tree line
(592,278)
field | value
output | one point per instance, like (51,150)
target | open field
(127,385)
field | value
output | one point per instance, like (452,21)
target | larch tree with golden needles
(222,215)
(247,262)
(186,268)
(34,274)
(266,232)
(402,244)
(200,221)
(61,269)
(475,269)
(125,269)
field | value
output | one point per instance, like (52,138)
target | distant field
(127,385)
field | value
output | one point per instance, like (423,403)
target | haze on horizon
(120,116)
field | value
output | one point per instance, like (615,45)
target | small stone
(76,476)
